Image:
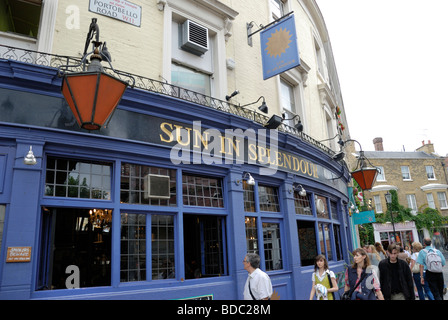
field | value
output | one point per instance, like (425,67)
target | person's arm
(335,285)
(313,291)
(422,280)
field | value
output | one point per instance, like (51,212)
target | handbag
(348,294)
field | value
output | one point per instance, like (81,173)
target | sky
(392,62)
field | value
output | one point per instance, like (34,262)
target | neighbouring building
(149,206)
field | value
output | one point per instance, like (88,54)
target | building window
(430,172)
(378,204)
(307,242)
(430,199)
(204,246)
(132,185)
(268,198)
(442,200)
(272,246)
(249,197)
(78,179)
(405,173)
(202,191)
(334,210)
(190,79)
(412,203)
(69,239)
(287,101)
(162,247)
(251,235)
(133,247)
(302,204)
(381,176)
(278,8)
(337,241)
(325,241)
(321,207)
(21,17)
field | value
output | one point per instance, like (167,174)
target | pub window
(249,197)
(334,210)
(321,207)
(337,241)
(251,235)
(78,179)
(74,239)
(307,242)
(272,246)
(135,245)
(325,241)
(268,198)
(20,16)
(202,191)
(302,204)
(132,185)
(204,246)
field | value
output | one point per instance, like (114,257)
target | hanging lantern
(93,95)
(364,176)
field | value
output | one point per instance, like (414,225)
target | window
(307,242)
(378,204)
(278,8)
(162,247)
(21,17)
(272,246)
(202,191)
(78,179)
(287,101)
(321,207)
(133,247)
(268,198)
(251,235)
(381,176)
(325,241)
(442,200)
(249,197)
(430,172)
(337,241)
(204,246)
(69,238)
(412,203)
(405,173)
(430,199)
(190,79)
(334,210)
(302,204)
(132,185)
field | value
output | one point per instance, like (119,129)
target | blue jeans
(420,288)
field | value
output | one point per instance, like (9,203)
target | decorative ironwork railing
(160,87)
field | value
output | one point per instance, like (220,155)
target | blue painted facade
(34,113)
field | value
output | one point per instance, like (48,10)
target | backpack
(433,261)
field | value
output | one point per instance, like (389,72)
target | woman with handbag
(324,280)
(415,268)
(361,281)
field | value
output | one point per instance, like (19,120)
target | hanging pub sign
(279,50)
(364,217)
(118,9)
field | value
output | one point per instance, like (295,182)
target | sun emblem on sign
(278,42)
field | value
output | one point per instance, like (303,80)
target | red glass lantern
(92,97)
(365,177)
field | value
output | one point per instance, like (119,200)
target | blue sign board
(279,50)
(364,217)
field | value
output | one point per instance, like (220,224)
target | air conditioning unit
(194,38)
(156,186)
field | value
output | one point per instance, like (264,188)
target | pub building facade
(165,200)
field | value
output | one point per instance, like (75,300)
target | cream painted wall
(144,51)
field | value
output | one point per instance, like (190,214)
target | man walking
(258,284)
(396,279)
(431,261)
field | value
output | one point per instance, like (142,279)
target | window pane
(307,242)
(268,198)
(302,204)
(251,235)
(132,185)
(190,79)
(202,191)
(133,247)
(272,246)
(162,243)
(77,179)
(321,207)
(249,197)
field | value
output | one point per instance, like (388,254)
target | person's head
(393,250)
(251,260)
(427,242)
(320,261)
(360,258)
(417,246)
(379,247)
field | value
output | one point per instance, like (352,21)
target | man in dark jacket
(395,277)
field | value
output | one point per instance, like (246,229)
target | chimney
(428,147)
(378,143)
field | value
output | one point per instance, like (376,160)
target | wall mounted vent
(194,38)
(157,186)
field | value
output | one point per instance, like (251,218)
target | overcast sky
(392,62)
